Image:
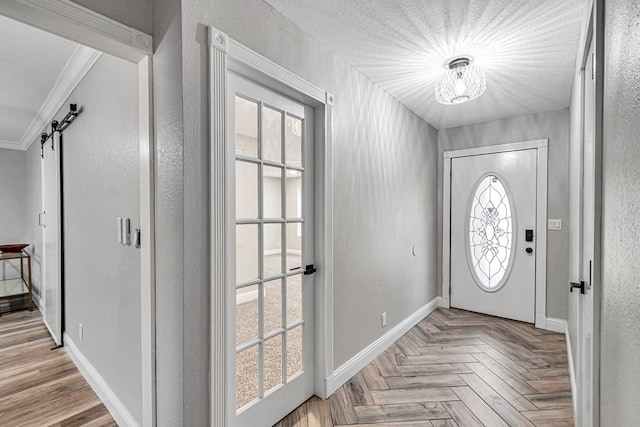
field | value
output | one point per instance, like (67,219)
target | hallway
(39,386)
(455,368)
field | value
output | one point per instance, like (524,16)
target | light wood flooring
(455,368)
(38,386)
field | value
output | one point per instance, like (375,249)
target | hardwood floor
(455,368)
(39,386)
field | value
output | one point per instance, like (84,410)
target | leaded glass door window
(490,232)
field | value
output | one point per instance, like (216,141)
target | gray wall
(170,238)
(101,183)
(379,147)
(12,205)
(554,126)
(620,364)
(134,13)
(12,196)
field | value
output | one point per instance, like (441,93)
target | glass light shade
(460,84)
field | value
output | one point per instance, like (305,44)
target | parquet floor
(455,368)
(38,386)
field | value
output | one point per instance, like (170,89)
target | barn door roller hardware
(59,127)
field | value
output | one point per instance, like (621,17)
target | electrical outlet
(383,319)
(80,331)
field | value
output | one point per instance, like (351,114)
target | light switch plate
(555,224)
(119,229)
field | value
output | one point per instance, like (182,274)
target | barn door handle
(577,285)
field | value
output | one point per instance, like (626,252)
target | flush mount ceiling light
(461,83)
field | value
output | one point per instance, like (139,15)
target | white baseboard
(246,297)
(572,373)
(556,325)
(278,251)
(444,302)
(350,368)
(119,413)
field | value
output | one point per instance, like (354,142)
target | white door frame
(86,27)
(541,145)
(226,55)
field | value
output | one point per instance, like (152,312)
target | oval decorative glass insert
(490,232)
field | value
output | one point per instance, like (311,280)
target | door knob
(577,285)
(529,250)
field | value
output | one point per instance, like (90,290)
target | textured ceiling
(527,47)
(31,63)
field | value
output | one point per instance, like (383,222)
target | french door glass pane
(246,127)
(272,305)
(247,314)
(294,298)
(294,351)
(272,362)
(294,193)
(271,134)
(247,369)
(293,154)
(272,192)
(272,245)
(294,245)
(246,190)
(246,252)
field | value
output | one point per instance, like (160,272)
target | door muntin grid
(277,177)
(490,232)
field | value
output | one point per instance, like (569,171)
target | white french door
(51,280)
(271,308)
(588,313)
(493,234)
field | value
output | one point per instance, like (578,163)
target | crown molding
(9,145)
(79,64)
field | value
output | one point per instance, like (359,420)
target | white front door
(271,309)
(51,282)
(587,370)
(493,234)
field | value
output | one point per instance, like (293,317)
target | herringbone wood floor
(38,386)
(455,368)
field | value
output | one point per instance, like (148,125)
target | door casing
(541,145)
(227,55)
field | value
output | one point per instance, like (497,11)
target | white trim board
(350,368)
(542,146)
(278,251)
(555,325)
(117,410)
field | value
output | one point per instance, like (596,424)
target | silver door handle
(40,222)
